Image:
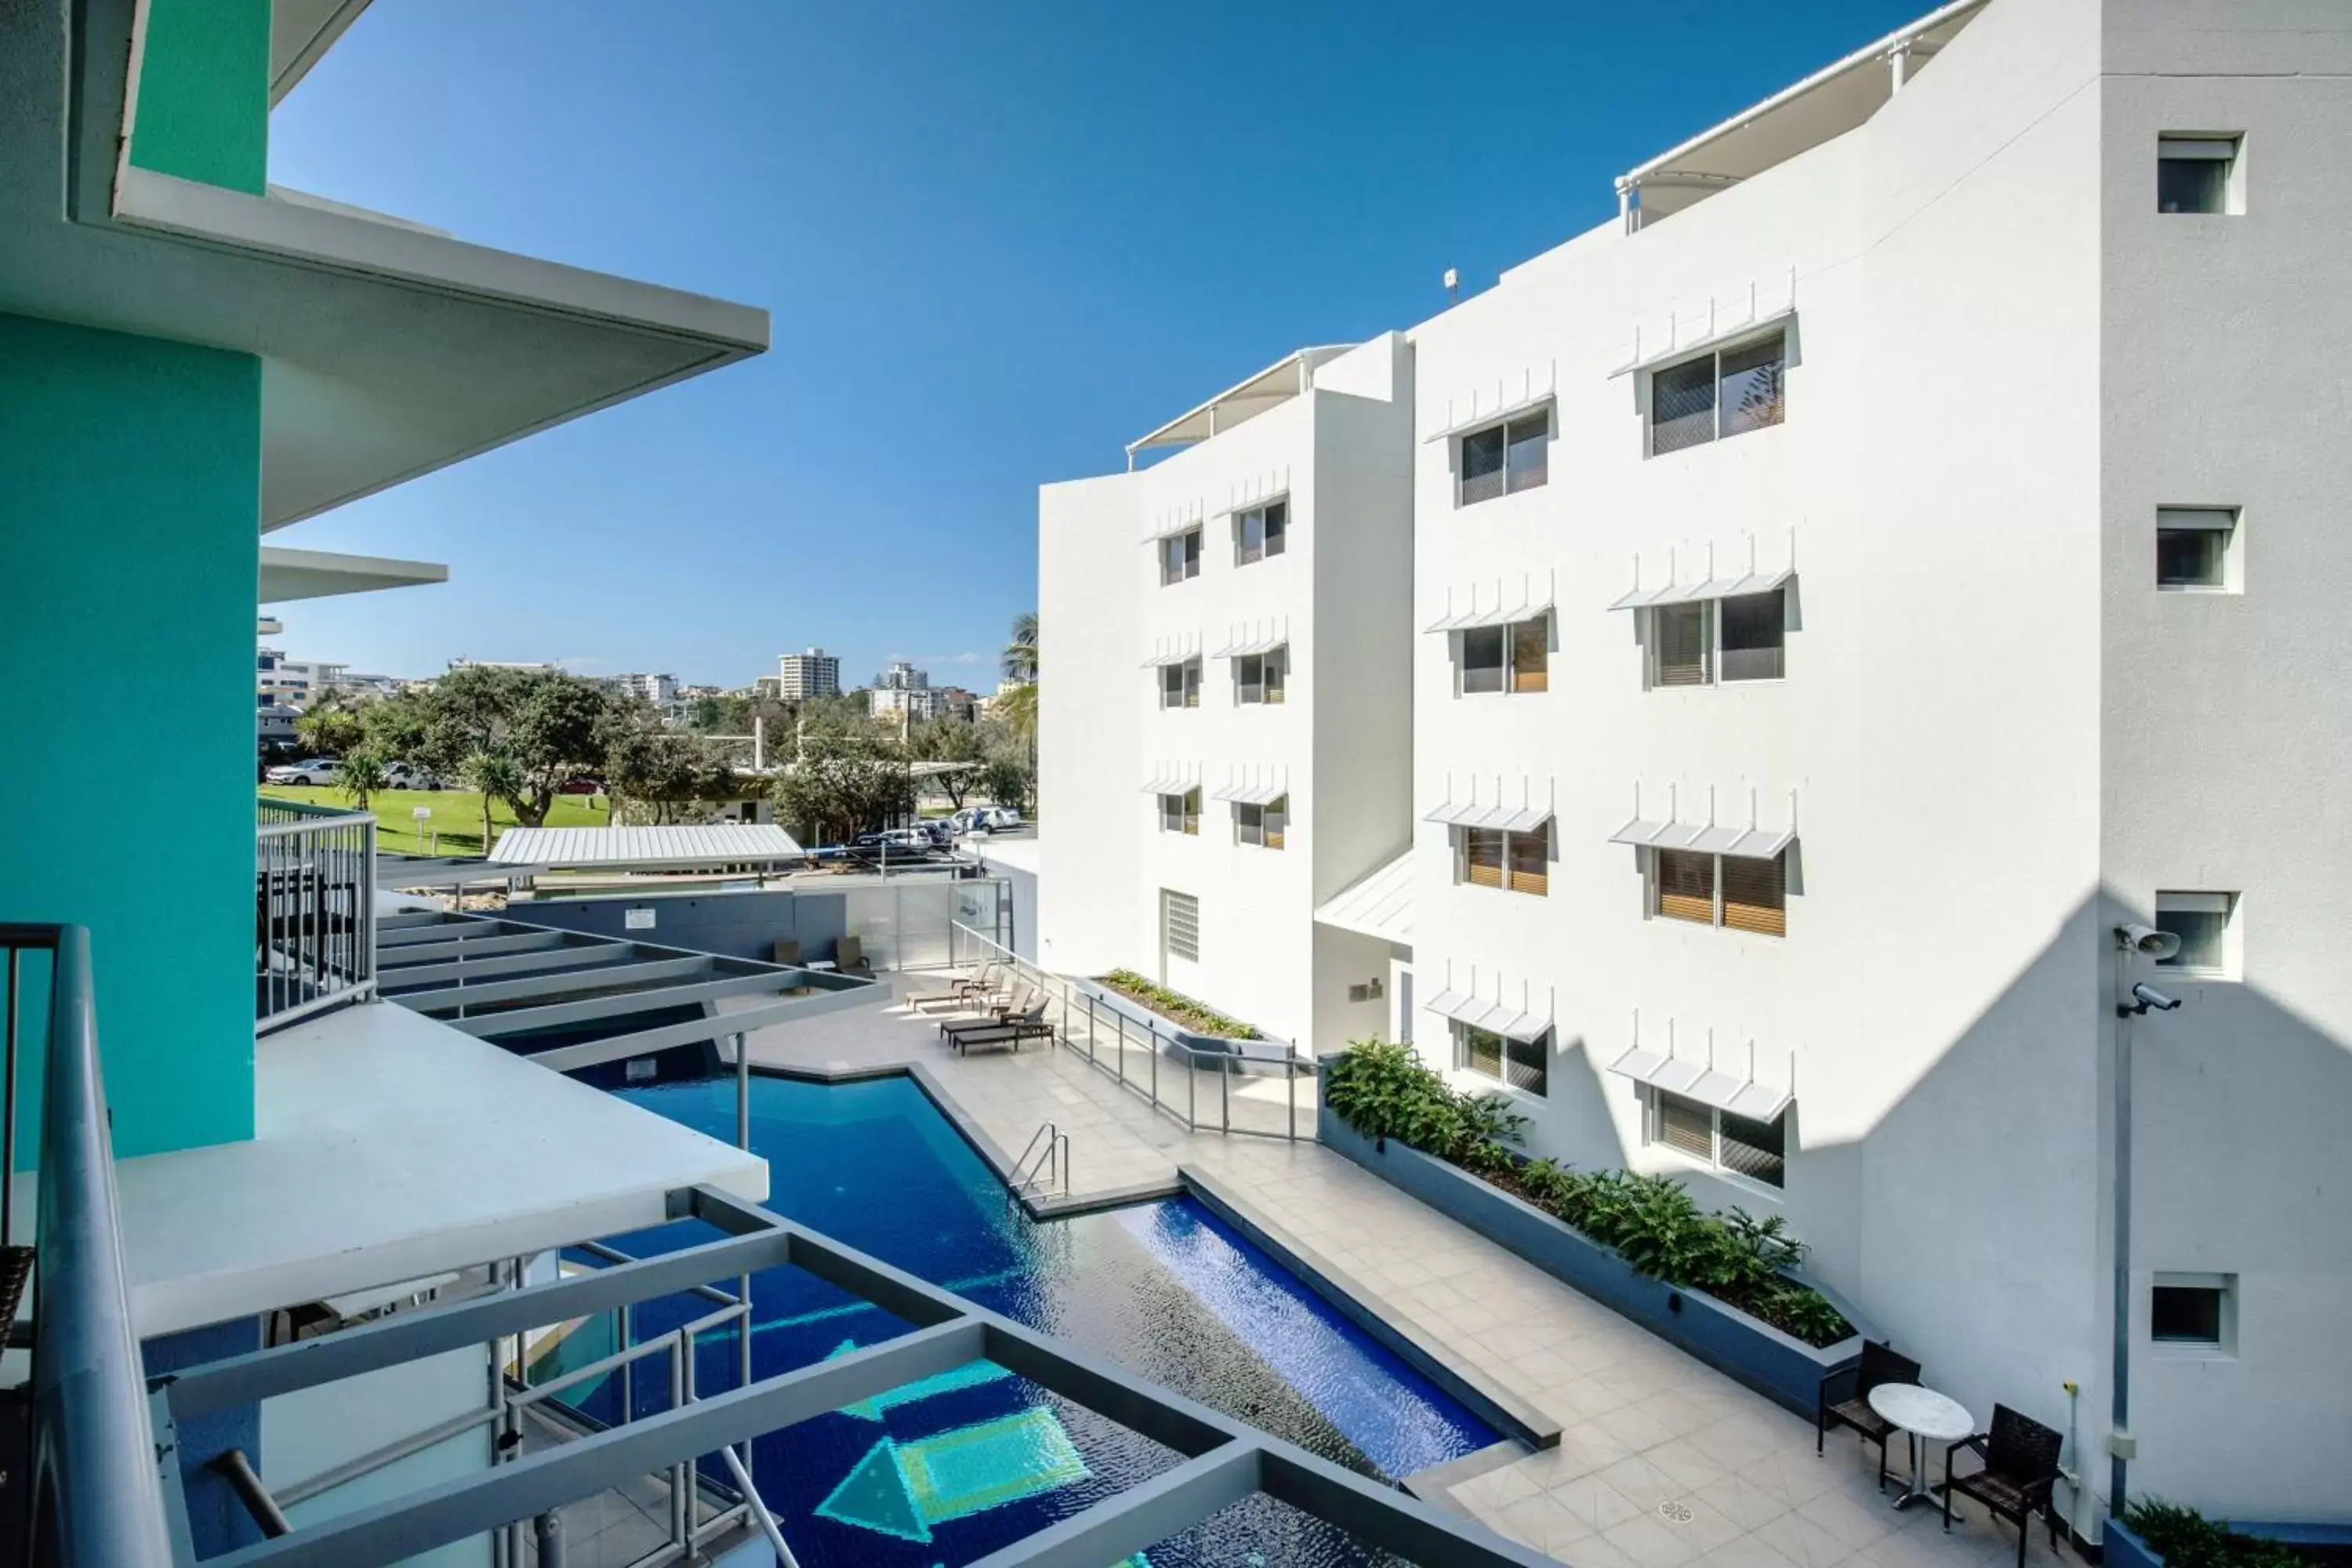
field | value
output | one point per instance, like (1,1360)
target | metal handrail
(1057,989)
(97,1494)
(314,928)
(1049,1146)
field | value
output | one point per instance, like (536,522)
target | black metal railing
(95,1494)
(314,910)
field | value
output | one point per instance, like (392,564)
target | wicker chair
(1880,1363)
(2020,1463)
(849,957)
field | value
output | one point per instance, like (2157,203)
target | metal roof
(1285,378)
(646,848)
(1379,904)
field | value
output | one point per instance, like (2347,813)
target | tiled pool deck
(1641,1424)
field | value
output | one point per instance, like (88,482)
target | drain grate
(1674,1512)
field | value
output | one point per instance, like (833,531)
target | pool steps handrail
(1048,1148)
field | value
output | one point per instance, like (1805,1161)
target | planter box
(1780,1366)
(1263,1054)
(2122,1547)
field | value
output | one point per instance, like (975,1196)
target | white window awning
(1252,793)
(1250,645)
(1171,783)
(1706,839)
(1495,416)
(1495,1017)
(1712,588)
(1502,818)
(1736,1092)
(1473,618)
(1273,497)
(1759,326)
(1171,656)
(1172,530)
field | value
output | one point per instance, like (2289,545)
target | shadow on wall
(1970,1220)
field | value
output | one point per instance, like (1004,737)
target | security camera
(2147,941)
(2145,997)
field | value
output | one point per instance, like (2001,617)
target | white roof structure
(318,574)
(645,848)
(1278,383)
(1378,904)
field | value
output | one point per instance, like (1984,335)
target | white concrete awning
(1500,817)
(1262,643)
(318,574)
(1710,588)
(1495,1017)
(646,848)
(1379,904)
(1496,415)
(1735,1092)
(1497,615)
(1264,794)
(389,1148)
(1706,839)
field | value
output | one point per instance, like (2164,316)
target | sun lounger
(1006,1034)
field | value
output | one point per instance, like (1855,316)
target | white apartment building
(1225,744)
(1845,587)
(657,689)
(800,676)
(903,703)
(902,675)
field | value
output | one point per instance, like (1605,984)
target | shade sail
(1712,588)
(1495,1017)
(1736,1092)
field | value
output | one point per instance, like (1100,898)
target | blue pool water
(947,1470)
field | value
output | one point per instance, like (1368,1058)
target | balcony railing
(314,910)
(96,1496)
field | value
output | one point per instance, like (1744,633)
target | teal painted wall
(204,92)
(130,559)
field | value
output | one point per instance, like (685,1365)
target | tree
(362,774)
(1018,709)
(849,780)
(329,729)
(1021,653)
(950,740)
(1008,778)
(646,764)
(548,725)
(495,774)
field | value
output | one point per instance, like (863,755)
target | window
(1507,458)
(1180,925)
(1513,658)
(1523,1064)
(1180,684)
(1739,892)
(2194,1312)
(2194,545)
(1520,862)
(1260,531)
(2202,922)
(2197,175)
(1708,642)
(1180,557)
(1180,813)
(1259,678)
(1726,392)
(1261,825)
(1735,1146)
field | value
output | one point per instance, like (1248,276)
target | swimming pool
(948,1470)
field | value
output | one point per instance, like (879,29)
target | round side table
(1925,1416)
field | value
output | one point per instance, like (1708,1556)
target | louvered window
(1706,641)
(1755,895)
(1756,1151)
(1754,891)
(1680,653)
(1685,886)
(1179,924)
(1523,1064)
(1520,862)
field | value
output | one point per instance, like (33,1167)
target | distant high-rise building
(902,677)
(655,688)
(800,676)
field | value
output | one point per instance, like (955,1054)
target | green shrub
(1176,1006)
(1383,1089)
(2187,1539)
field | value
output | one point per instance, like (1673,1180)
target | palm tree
(495,774)
(1018,708)
(1021,653)
(360,774)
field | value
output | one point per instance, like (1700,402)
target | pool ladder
(1045,1159)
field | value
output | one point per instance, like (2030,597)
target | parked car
(581,786)
(403,775)
(315,771)
(998,817)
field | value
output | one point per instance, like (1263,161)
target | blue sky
(998,240)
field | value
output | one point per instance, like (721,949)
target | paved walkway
(1662,1461)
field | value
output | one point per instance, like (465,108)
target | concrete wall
(130,517)
(733,925)
(2225,754)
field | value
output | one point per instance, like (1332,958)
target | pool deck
(1640,1425)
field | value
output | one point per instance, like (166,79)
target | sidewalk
(1661,1462)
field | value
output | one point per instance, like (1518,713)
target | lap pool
(946,1470)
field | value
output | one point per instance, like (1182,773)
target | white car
(317,771)
(403,775)
(995,818)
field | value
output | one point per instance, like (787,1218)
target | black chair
(2020,1465)
(1880,1363)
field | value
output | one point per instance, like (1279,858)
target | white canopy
(1243,646)
(1254,793)
(1712,588)
(1493,615)
(1170,784)
(1757,326)
(1737,1092)
(1706,839)
(1504,818)
(1379,904)
(1166,656)
(1496,415)
(1495,1017)
(646,848)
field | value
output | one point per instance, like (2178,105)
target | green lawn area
(457,815)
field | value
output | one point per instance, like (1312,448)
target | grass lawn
(455,827)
